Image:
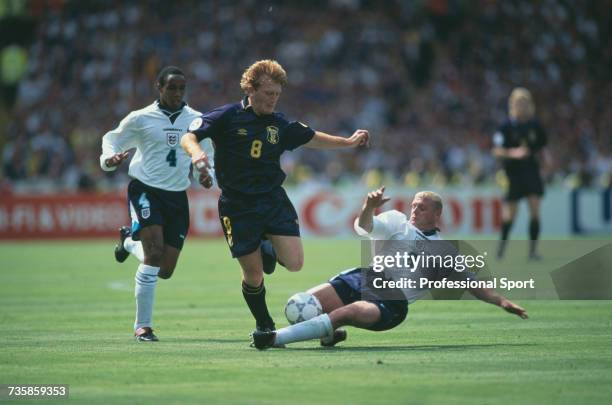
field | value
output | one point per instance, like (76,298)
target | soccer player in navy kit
(249,138)
(157,197)
(520,143)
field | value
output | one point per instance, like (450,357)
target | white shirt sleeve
(119,140)
(385,225)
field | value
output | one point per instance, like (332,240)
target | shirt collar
(430,232)
(245,104)
(168,112)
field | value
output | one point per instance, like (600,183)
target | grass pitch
(66,313)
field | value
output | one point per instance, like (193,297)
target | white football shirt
(391,233)
(159,161)
(393,225)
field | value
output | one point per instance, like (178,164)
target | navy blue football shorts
(348,286)
(524,185)
(153,206)
(246,219)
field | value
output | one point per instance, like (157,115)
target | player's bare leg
(327,296)
(254,291)
(252,272)
(509,210)
(170,258)
(533,202)
(361,314)
(146,280)
(329,299)
(152,238)
(289,251)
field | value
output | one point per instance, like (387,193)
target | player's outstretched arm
(495,298)
(373,200)
(189,142)
(321,140)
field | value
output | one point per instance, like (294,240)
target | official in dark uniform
(249,138)
(519,143)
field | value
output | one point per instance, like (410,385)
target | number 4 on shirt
(171,158)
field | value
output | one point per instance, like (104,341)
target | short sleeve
(296,134)
(385,225)
(208,124)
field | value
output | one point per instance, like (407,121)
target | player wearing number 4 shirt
(249,138)
(156,195)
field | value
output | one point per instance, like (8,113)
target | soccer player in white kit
(157,194)
(341,297)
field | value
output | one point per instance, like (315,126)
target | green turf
(66,310)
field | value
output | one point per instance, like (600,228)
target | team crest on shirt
(145,213)
(272,134)
(172,139)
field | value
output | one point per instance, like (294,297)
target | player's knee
(154,255)
(253,280)
(165,272)
(252,276)
(295,264)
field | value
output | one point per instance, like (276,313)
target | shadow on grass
(425,348)
(205,340)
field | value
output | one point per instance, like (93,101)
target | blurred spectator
(429,79)
(13,63)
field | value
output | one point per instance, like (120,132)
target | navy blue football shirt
(248,146)
(513,134)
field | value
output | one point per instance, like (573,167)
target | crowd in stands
(429,79)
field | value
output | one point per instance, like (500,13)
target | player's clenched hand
(361,137)
(116,159)
(203,167)
(514,309)
(376,198)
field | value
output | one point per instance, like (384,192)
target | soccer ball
(302,307)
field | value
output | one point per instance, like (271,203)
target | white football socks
(134,247)
(146,279)
(317,327)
